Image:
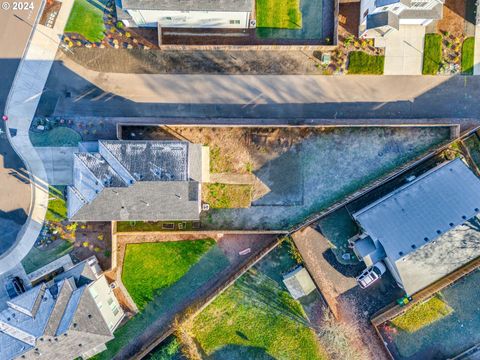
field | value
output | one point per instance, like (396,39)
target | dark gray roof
(189,5)
(382,19)
(137,180)
(414,216)
(381,3)
(145,201)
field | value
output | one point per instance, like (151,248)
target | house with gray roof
(71,316)
(198,14)
(425,229)
(380,18)
(138,181)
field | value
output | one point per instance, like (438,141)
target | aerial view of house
(240,180)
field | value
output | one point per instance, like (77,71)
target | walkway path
(21,105)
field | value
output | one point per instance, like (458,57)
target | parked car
(371,274)
(14,287)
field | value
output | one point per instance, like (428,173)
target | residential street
(74,90)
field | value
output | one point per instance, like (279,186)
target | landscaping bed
(132,226)
(220,196)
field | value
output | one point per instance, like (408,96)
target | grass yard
(37,258)
(360,62)
(256,318)
(422,315)
(57,206)
(432,54)
(281,14)
(59,136)
(150,267)
(86,19)
(227,195)
(467,56)
(168,350)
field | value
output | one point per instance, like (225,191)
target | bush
(467,56)
(360,62)
(432,54)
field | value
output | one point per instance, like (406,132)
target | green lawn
(59,136)
(37,258)
(423,314)
(57,206)
(150,267)
(169,350)
(360,62)
(255,319)
(86,19)
(280,14)
(227,195)
(467,56)
(432,54)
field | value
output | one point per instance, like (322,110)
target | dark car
(14,287)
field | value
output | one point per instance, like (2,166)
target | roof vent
(400,253)
(476,209)
(439,232)
(464,217)
(425,239)
(414,246)
(89,316)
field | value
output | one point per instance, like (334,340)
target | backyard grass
(255,319)
(227,195)
(59,136)
(281,14)
(150,267)
(422,315)
(37,258)
(169,350)
(467,56)
(57,206)
(432,54)
(360,62)
(86,19)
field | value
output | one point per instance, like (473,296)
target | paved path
(84,92)
(21,106)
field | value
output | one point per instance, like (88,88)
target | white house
(379,18)
(227,14)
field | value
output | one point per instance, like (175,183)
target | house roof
(137,180)
(435,13)
(65,307)
(417,215)
(189,5)
(382,19)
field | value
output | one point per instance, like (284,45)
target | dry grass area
(244,150)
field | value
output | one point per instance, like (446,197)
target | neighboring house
(425,229)
(299,283)
(71,316)
(379,18)
(137,180)
(228,14)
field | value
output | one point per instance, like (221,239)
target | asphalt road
(73,90)
(15,29)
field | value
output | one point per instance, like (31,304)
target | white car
(371,274)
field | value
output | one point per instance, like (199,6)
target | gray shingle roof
(381,19)
(137,180)
(417,215)
(189,5)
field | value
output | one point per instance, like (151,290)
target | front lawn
(37,258)
(57,207)
(150,267)
(256,319)
(467,56)
(86,19)
(432,54)
(227,195)
(360,62)
(423,314)
(281,14)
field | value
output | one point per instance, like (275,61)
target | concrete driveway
(58,163)
(404,51)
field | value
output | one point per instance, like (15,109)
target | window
(365,13)
(232,22)
(419,4)
(93,292)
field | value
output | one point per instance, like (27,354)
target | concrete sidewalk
(21,105)
(404,51)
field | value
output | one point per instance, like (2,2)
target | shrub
(432,54)
(467,56)
(360,62)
